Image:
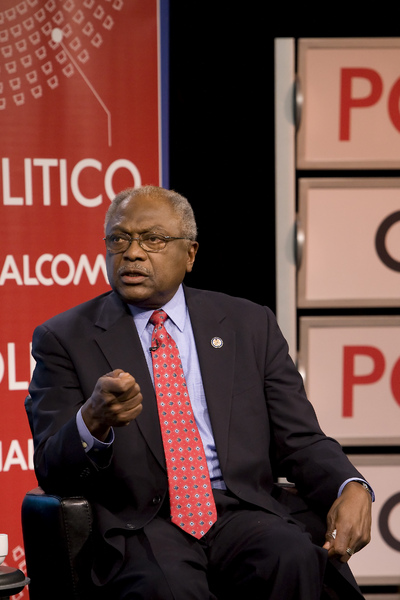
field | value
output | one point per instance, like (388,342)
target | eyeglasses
(149,241)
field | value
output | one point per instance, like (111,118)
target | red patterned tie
(191,498)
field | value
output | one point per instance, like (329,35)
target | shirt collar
(176,310)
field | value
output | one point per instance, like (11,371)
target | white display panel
(350,115)
(349,242)
(351,370)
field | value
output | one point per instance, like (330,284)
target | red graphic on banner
(79,121)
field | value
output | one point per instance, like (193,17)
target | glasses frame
(138,239)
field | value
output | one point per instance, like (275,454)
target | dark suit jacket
(263,424)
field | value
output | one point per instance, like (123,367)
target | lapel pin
(216,342)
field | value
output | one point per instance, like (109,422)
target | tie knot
(158,317)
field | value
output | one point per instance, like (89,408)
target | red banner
(80,119)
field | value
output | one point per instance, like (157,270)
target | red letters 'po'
(348,102)
(350,379)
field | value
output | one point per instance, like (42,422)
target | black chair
(58,543)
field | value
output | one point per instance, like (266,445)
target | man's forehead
(145,211)
(147,203)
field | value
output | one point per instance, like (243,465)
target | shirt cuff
(88,441)
(371,491)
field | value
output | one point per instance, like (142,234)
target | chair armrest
(58,543)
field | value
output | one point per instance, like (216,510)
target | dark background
(222,125)
(221,142)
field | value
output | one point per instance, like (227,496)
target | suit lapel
(119,341)
(216,363)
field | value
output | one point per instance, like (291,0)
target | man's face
(148,279)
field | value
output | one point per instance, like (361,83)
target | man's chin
(133,294)
(137,296)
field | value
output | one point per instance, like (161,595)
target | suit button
(156,500)
(130,526)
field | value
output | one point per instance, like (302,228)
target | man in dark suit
(97,430)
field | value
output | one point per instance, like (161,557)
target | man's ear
(192,251)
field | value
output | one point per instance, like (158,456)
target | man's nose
(135,251)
